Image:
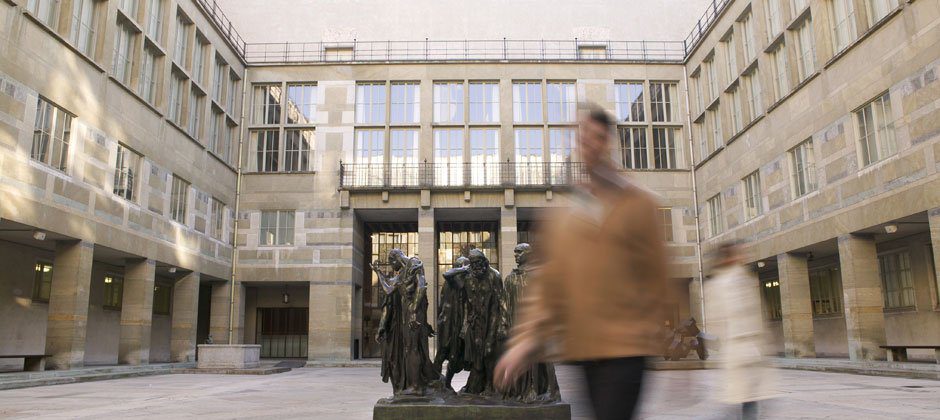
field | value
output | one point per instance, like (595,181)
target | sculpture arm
(454,277)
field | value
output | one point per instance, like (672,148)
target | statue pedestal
(437,410)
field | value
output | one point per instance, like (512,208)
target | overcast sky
(373,20)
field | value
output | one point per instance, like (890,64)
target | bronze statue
(684,338)
(450,318)
(403,329)
(539,383)
(485,320)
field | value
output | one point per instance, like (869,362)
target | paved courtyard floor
(349,393)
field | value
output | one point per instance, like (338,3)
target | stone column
(329,326)
(428,254)
(136,312)
(219,313)
(796,305)
(864,302)
(185,313)
(508,238)
(68,304)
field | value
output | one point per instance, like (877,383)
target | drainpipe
(698,227)
(238,192)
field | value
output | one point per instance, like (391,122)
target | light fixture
(761,264)
(286,298)
(172,269)
(892,228)
(39,235)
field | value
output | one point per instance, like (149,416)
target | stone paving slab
(350,393)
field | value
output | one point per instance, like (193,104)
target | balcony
(460,176)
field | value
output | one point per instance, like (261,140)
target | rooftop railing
(468,50)
(482,175)
(222,22)
(712,11)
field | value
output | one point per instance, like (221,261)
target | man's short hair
(597,113)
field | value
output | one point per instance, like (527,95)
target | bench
(31,362)
(899,353)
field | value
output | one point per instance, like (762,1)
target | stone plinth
(229,356)
(384,410)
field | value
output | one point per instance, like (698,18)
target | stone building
(807,128)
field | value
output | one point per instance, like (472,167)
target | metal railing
(215,14)
(704,23)
(467,50)
(385,176)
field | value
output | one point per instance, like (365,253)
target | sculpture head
(396,258)
(461,261)
(478,263)
(522,251)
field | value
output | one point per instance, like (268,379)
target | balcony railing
(712,11)
(465,50)
(415,176)
(214,12)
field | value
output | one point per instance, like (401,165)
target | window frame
(42,289)
(456,107)
(910,303)
(179,199)
(283,229)
(753,195)
(884,136)
(802,159)
(125,172)
(113,292)
(52,138)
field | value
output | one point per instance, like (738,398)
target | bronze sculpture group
(475,313)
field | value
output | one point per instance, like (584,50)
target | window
(233,92)
(561,102)
(403,157)
(712,75)
(370,156)
(527,102)
(715,225)
(772,307)
(713,119)
(196,101)
(404,106)
(731,58)
(747,39)
(895,269)
(297,150)
(806,60)
(266,144)
(179,195)
(633,149)
(737,118)
(842,21)
(162,298)
(663,100)
(825,289)
(83,34)
(878,9)
(629,101)
(484,102)
(148,76)
(448,157)
(753,199)
(266,104)
(448,102)
(216,130)
(774,18)
(301,103)
(699,94)
(876,130)
(47,11)
(702,130)
(529,168)
(225,147)
(126,167)
(181,50)
(218,79)
(113,291)
(484,156)
(370,103)
(561,151)
(781,80)
(217,222)
(797,6)
(123,53)
(277,227)
(803,168)
(199,58)
(42,282)
(51,135)
(664,148)
(155,20)
(665,217)
(129,7)
(755,105)
(177,91)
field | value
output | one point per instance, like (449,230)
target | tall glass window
(301,103)
(125,172)
(52,135)
(842,22)
(266,144)
(42,282)
(561,152)
(218,79)
(123,53)
(875,123)
(148,76)
(404,106)
(369,155)
(781,74)
(484,102)
(633,148)
(747,39)
(806,61)
(83,34)
(774,18)
(629,101)
(663,101)
(448,102)
(878,9)
(47,11)
(715,223)
(277,228)
(529,159)
(403,157)
(527,102)
(731,58)
(825,289)
(753,200)
(179,195)
(217,222)
(266,104)
(448,157)
(177,96)
(298,147)
(181,50)
(155,20)
(664,148)
(896,277)
(370,103)
(562,101)
(803,166)
(755,103)
(484,156)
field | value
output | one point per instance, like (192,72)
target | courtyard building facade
(163,181)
